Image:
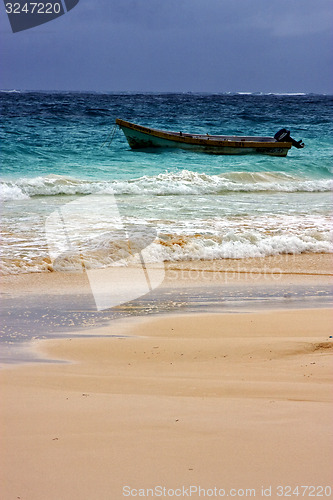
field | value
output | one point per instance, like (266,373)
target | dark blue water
(62,133)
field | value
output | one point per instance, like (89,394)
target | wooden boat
(140,137)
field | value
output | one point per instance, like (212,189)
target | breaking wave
(228,241)
(174,249)
(180,183)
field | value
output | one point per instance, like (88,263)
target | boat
(140,137)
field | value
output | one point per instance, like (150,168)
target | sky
(175,46)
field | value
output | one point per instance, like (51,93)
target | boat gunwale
(200,139)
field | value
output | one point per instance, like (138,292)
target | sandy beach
(238,403)
(166,306)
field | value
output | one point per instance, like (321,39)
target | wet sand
(48,305)
(274,269)
(229,400)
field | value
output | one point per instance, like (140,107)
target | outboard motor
(283,135)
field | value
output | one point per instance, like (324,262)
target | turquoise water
(56,149)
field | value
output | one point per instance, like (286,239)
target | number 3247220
(308,491)
(33,8)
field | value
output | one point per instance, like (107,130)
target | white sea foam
(250,246)
(10,191)
(98,246)
(192,226)
(180,183)
(13,91)
(272,93)
(196,248)
(286,93)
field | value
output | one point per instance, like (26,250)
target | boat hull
(139,137)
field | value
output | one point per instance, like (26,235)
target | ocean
(58,151)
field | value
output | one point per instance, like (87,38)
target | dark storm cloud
(180,45)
